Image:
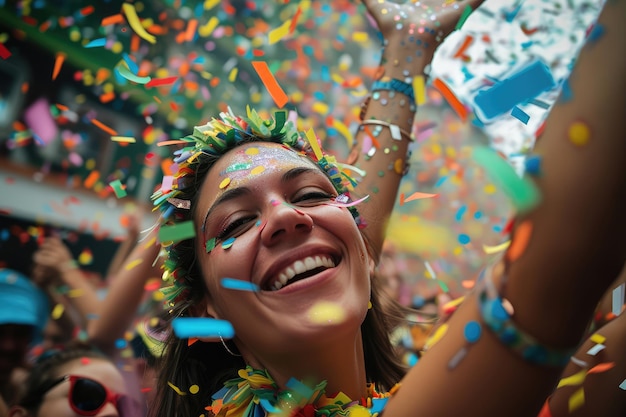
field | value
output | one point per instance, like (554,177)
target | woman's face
(268,215)
(56,403)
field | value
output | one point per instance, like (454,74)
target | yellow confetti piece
(576,379)
(326,313)
(225,182)
(345,132)
(75,293)
(436,337)
(176,389)
(490,189)
(310,135)
(257,170)
(133,20)
(577,400)
(320,108)
(57,311)
(419,89)
(278,33)
(579,133)
(232,76)
(209,4)
(194,389)
(597,338)
(130,265)
(498,248)
(359,36)
(252,151)
(125,139)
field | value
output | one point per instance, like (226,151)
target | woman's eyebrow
(296,172)
(230,194)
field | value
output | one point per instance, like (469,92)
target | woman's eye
(313,197)
(234,227)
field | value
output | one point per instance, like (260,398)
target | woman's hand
(415,29)
(54,255)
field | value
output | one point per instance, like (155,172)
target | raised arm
(575,249)
(54,257)
(119,308)
(387,117)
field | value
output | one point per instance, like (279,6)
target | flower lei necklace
(255,394)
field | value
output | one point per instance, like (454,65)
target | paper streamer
(522,86)
(187,327)
(240,285)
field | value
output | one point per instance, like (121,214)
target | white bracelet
(396,132)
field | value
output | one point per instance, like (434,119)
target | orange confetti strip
(415,196)
(466,43)
(112,20)
(294,21)
(91,179)
(134,43)
(272,86)
(107,97)
(372,137)
(58,63)
(86,11)
(601,367)
(62,107)
(520,241)
(104,127)
(170,142)
(454,102)
(192,26)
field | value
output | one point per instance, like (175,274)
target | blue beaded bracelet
(395,85)
(500,322)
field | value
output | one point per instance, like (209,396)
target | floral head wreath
(216,138)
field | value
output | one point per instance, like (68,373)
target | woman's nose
(285,220)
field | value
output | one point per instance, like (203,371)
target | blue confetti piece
(464,239)
(522,86)
(539,103)
(186,327)
(228,243)
(267,406)
(520,115)
(478,215)
(509,16)
(440,181)
(378,405)
(566,91)
(300,388)
(96,43)
(472,331)
(596,32)
(460,212)
(237,284)
(120,344)
(532,165)
(132,65)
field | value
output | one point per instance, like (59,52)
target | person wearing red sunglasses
(75,382)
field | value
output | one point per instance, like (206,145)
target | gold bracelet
(396,131)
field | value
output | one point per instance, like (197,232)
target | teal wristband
(500,322)
(394,85)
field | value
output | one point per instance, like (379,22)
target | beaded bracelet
(394,85)
(493,310)
(396,131)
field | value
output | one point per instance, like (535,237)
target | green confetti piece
(466,12)
(118,188)
(523,193)
(178,232)
(210,245)
(443,285)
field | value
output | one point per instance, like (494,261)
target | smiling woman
(303,233)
